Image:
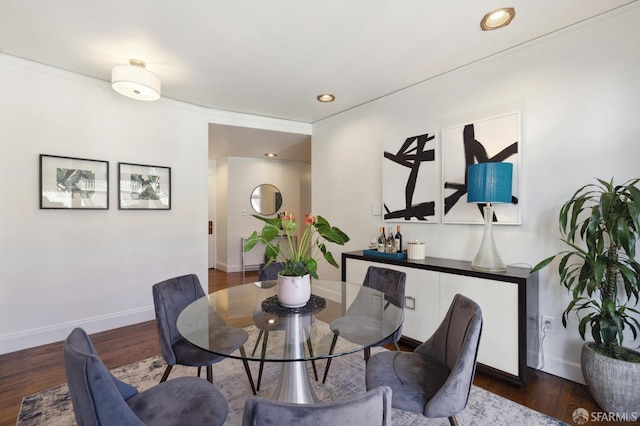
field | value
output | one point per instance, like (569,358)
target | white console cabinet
(507,346)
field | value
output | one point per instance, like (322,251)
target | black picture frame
(73,183)
(144,187)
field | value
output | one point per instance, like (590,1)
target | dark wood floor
(33,370)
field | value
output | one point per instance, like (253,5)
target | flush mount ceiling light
(327,97)
(135,81)
(270,155)
(498,18)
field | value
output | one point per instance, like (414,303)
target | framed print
(490,140)
(142,187)
(410,179)
(73,183)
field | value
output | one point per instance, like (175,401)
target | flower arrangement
(298,259)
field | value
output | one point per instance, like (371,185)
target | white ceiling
(272,58)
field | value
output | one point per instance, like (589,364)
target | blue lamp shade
(489,183)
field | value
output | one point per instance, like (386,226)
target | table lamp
(489,183)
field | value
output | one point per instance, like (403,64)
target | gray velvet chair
(267,322)
(435,379)
(372,408)
(392,284)
(99,398)
(170,297)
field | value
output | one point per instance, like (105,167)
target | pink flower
(288,217)
(308,219)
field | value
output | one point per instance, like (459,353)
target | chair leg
(395,345)
(257,342)
(246,368)
(210,374)
(313,363)
(166,373)
(199,371)
(333,346)
(262,356)
(453,421)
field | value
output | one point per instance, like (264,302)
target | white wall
(65,268)
(579,95)
(242,176)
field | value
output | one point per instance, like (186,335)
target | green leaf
(329,258)
(271,251)
(542,264)
(251,241)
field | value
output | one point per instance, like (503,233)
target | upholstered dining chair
(266,322)
(99,398)
(372,408)
(350,327)
(170,297)
(435,379)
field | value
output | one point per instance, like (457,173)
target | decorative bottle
(390,243)
(382,241)
(398,240)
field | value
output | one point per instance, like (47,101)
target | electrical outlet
(549,324)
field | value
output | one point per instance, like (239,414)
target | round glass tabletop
(357,317)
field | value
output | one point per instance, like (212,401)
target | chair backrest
(372,408)
(388,281)
(270,272)
(98,397)
(170,297)
(455,346)
(392,284)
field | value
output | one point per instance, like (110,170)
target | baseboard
(221,266)
(58,332)
(563,368)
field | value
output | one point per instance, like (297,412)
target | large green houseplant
(298,257)
(600,223)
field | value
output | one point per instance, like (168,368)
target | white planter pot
(294,292)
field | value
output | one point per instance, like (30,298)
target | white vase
(294,292)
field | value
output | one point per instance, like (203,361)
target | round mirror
(266,199)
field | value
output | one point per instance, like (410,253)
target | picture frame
(144,187)
(410,179)
(73,183)
(489,140)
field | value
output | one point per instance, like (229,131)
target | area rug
(346,378)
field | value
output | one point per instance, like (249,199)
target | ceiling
(272,58)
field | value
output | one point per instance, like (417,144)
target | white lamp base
(488,258)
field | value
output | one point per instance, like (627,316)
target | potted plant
(299,258)
(600,224)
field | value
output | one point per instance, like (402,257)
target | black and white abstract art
(490,140)
(410,179)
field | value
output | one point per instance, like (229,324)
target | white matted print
(410,179)
(73,183)
(143,187)
(495,139)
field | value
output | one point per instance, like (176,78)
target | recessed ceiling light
(327,97)
(498,18)
(270,155)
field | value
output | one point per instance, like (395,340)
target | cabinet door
(499,303)
(421,313)
(422,303)
(357,269)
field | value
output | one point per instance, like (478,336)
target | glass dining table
(290,336)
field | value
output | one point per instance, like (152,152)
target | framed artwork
(490,140)
(73,183)
(410,179)
(143,187)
